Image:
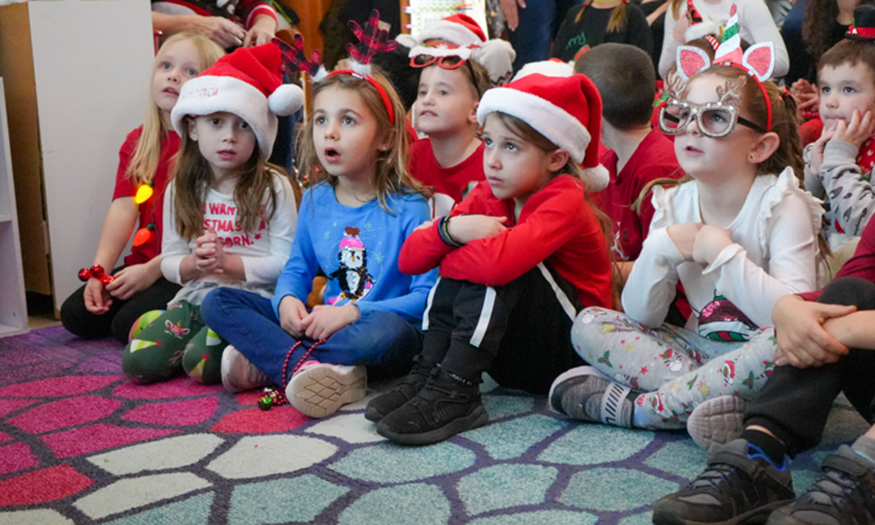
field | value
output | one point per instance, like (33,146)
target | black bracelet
(444,232)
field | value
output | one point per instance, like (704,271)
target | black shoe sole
(372,414)
(754,517)
(475,419)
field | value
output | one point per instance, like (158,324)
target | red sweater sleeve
(861,265)
(424,249)
(549,219)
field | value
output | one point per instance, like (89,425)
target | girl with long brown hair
(229,215)
(360,206)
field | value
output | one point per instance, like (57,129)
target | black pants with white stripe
(519,332)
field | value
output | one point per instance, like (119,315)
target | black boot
(385,404)
(445,406)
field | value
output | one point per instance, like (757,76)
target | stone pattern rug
(79,443)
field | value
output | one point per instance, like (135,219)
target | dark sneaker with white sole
(445,406)
(740,486)
(843,495)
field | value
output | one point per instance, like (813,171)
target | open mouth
(428,114)
(332,155)
(227,154)
(692,150)
(171,91)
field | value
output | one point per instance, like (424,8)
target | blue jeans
(382,341)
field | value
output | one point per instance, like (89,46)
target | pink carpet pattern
(79,443)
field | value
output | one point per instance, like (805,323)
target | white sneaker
(717,421)
(319,389)
(239,374)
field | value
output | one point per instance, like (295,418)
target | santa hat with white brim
(460,29)
(567,111)
(246,83)
(552,67)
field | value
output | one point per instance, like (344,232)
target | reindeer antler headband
(758,61)
(372,40)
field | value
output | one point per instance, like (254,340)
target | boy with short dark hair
(839,164)
(639,154)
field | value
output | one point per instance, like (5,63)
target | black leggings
(795,402)
(121,315)
(519,332)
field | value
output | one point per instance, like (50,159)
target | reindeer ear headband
(372,40)
(758,62)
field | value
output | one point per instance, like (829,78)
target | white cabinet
(13,309)
(77,77)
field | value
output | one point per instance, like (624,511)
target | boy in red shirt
(638,154)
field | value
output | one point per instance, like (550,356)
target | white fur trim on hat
(550,68)
(407,40)
(548,119)
(451,32)
(286,99)
(206,95)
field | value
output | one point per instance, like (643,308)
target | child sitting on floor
(738,236)
(518,258)
(229,217)
(639,154)
(145,165)
(358,211)
(839,164)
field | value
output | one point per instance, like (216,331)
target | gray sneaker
(717,421)
(739,486)
(585,394)
(239,374)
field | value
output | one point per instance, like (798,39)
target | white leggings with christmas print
(674,367)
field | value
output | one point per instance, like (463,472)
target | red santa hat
(246,83)
(461,30)
(552,67)
(567,111)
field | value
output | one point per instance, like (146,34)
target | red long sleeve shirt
(556,225)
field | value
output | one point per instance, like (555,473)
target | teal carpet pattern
(81,444)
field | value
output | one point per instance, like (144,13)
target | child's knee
(587,327)
(213,303)
(849,291)
(143,364)
(202,358)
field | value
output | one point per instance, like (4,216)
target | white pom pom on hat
(566,110)
(246,83)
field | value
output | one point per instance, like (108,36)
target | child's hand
(292,311)
(467,228)
(857,130)
(209,254)
(261,32)
(802,339)
(815,159)
(680,29)
(132,280)
(806,95)
(683,236)
(97,299)
(325,320)
(709,242)
(511,13)
(426,225)
(220,30)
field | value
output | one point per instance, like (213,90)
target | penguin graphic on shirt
(352,276)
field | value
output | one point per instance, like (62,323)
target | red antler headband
(372,40)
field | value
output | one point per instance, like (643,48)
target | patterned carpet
(80,444)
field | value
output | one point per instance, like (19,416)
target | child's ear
(557,159)
(472,117)
(386,142)
(192,129)
(764,147)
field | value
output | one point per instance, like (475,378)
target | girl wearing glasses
(738,235)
